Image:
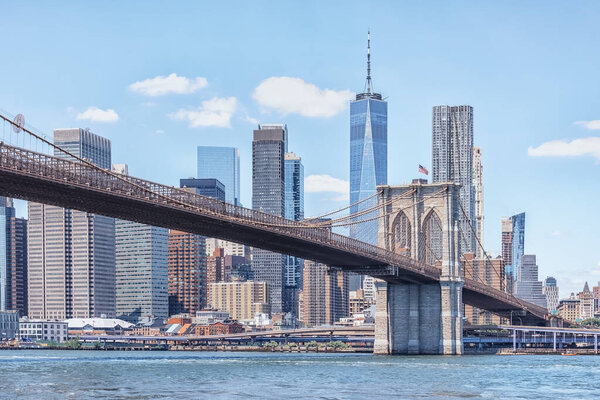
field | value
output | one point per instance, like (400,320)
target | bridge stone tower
(420,220)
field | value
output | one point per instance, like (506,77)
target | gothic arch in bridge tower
(431,238)
(402,235)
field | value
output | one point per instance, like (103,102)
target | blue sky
(529,69)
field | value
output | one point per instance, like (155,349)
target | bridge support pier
(419,319)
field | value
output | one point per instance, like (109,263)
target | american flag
(423,170)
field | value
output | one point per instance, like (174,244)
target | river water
(206,375)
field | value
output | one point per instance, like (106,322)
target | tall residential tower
(452,160)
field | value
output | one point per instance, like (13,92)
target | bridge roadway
(46,179)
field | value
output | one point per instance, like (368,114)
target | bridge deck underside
(20,184)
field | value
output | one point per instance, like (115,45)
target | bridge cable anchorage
(488,258)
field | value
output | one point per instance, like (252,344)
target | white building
(41,330)
(9,325)
(207,317)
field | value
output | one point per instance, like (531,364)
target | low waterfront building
(9,325)
(219,328)
(97,326)
(43,330)
(206,317)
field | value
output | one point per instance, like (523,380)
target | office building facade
(209,187)
(528,287)
(71,253)
(452,161)
(550,290)
(141,254)
(222,163)
(269,146)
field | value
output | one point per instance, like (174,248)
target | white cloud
(149,104)
(294,96)
(325,183)
(214,112)
(252,120)
(162,85)
(589,146)
(159,131)
(591,125)
(556,233)
(96,114)
(342,198)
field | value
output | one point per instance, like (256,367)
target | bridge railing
(81,174)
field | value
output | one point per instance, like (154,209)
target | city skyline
(551,114)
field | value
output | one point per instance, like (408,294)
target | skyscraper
(71,253)
(368,159)
(452,160)
(294,209)
(187,273)
(269,146)
(527,286)
(325,295)
(206,187)
(513,246)
(478,183)
(550,289)
(222,163)
(13,259)
(140,268)
(368,154)
(141,271)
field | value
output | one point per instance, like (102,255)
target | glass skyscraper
(222,163)
(141,257)
(368,160)
(269,146)
(294,209)
(513,247)
(368,155)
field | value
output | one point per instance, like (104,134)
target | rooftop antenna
(369,61)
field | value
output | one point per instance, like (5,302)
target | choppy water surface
(183,375)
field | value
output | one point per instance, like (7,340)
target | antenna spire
(369,61)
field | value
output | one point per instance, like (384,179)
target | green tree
(73,343)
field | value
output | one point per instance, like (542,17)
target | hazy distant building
(528,287)
(486,271)
(569,309)
(222,163)
(141,253)
(586,303)
(325,295)
(187,273)
(550,290)
(452,158)
(478,183)
(242,300)
(269,146)
(71,253)
(513,247)
(206,187)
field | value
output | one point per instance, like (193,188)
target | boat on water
(568,354)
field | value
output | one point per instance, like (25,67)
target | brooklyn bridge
(419,296)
